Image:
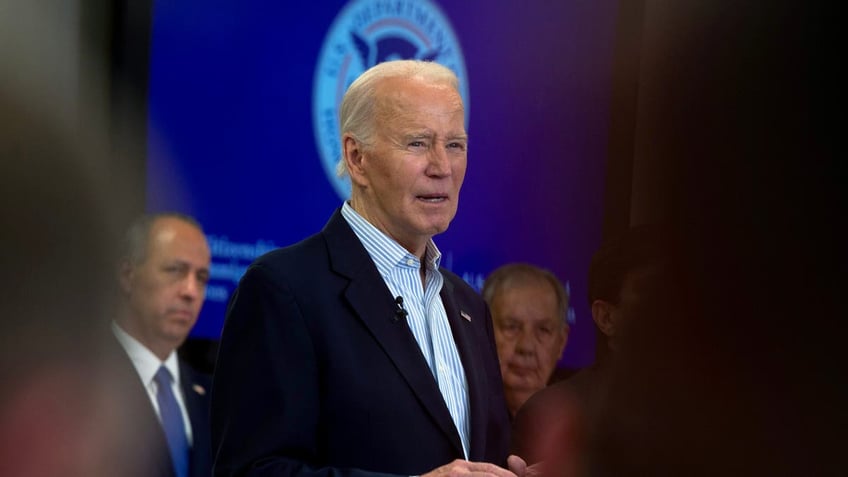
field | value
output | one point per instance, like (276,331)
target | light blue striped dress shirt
(426,313)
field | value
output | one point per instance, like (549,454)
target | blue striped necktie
(172,422)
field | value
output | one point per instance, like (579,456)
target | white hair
(356,114)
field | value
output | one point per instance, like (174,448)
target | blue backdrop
(241,98)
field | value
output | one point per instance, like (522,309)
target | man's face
(414,169)
(530,337)
(166,291)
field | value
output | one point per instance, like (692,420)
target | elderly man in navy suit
(352,352)
(163,277)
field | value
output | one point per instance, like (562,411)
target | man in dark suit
(352,352)
(163,277)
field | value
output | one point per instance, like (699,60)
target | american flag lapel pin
(465,315)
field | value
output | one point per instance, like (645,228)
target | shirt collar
(146,363)
(384,250)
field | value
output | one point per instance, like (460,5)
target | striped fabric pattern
(427,317)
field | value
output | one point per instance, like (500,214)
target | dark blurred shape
(200,354)
(734,364)
(618,273)
(59,411)
(736,367)
(560,425)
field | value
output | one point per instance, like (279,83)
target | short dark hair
(637,248)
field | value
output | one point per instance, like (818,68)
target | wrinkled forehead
(397,95)
(533,294)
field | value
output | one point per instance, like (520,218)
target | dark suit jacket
(315,377)
(196,391)
(151,446)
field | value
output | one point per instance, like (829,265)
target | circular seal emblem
(364,33)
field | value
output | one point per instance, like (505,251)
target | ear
(352,154)
(126,273)
(563,338)
(602,313)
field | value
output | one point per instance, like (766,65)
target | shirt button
(410,262)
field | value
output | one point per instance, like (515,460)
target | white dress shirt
(147,364)
(426,315)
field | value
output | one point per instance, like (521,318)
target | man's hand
(471,469)
(520,468)
(516,465)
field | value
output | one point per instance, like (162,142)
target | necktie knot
(163,377)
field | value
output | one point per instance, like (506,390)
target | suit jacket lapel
(152,443)
(194,397)
(477,400)
(196,401)
(375,306)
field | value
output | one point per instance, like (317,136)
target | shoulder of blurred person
(549,430)
(571,413)
(60,412)
(736,367)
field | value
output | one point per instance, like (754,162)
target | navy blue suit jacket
(315,376)
(196,391)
